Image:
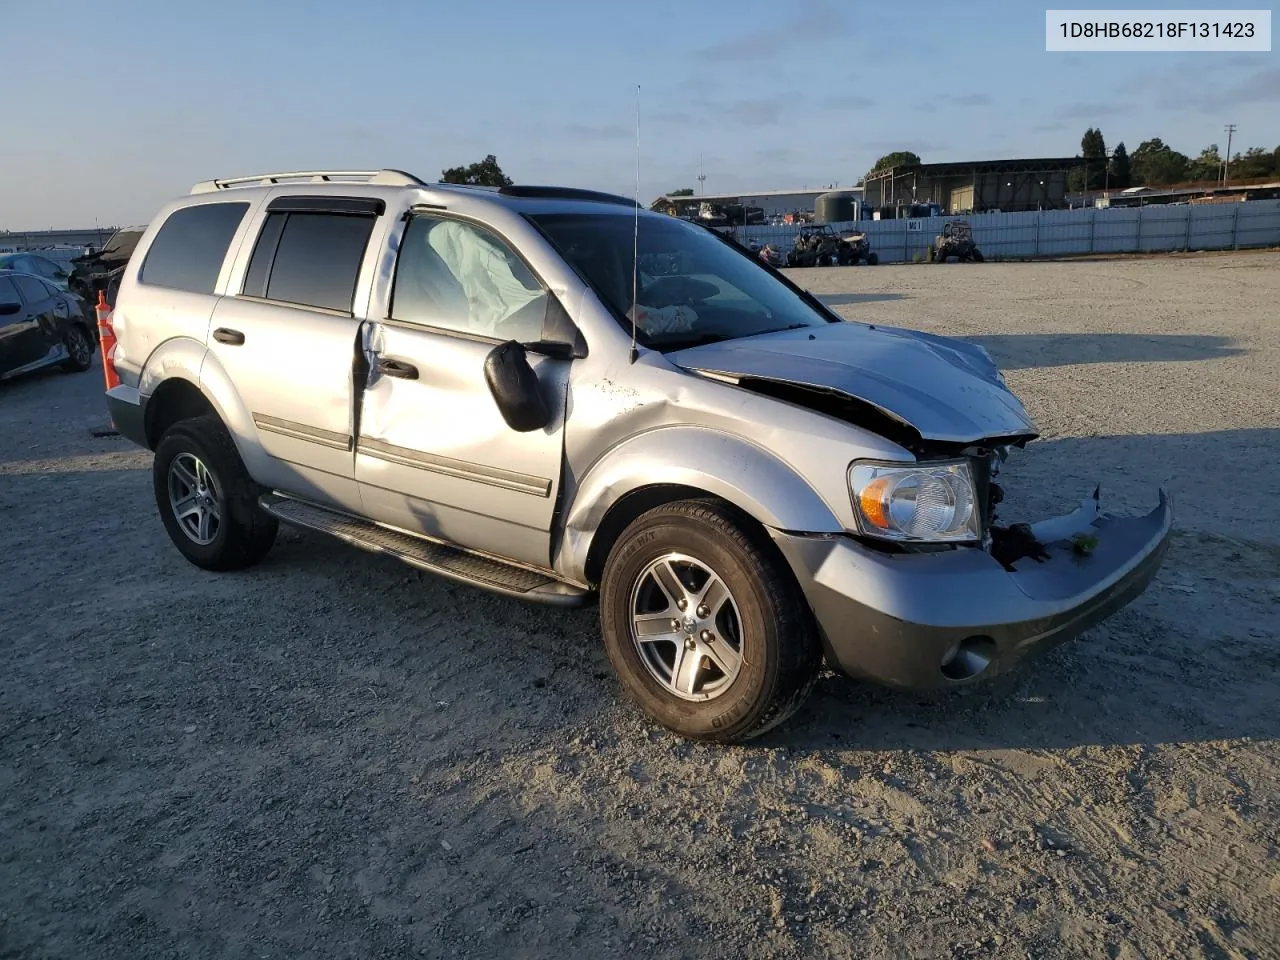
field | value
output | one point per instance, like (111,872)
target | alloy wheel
(195,498)
(686,627)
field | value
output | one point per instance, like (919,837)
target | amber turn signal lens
(874,500)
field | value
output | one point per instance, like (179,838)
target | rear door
(43,309)
(288,340)
(433,452)
(19,334)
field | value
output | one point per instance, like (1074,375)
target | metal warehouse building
(972,187)
(773,203)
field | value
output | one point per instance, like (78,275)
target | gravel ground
(335,756)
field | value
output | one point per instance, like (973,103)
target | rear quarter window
(33,289)
(189,248)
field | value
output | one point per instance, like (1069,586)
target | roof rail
(390,178)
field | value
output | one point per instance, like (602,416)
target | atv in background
(955,240)
(821,246)
(102,270)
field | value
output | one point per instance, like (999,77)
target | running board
(430,555)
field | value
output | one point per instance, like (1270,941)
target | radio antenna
(635,262)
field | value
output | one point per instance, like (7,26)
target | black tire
(244,532)
(977,255)
(79,345)
(780,650)
(872,259)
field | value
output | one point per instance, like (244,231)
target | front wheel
(872,259)
(705,626)
(79,350)
(207,500)
(977,255)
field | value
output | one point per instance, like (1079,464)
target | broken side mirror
(515,388)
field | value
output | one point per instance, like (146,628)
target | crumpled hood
(948,390)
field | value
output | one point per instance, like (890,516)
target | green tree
(1120,173)
(899,158)
(485,173)
(1255,162)
(1157,164)
(682,192)
(1094,150)
(1207,166)
(1275,161)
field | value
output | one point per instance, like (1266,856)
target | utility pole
(702,176)
(1230,128)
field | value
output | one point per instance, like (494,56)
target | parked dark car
(41,325)
(42,267)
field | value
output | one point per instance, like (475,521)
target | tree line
(1156,164)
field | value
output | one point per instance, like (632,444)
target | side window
(311,259)
(33,290)
(43,268)
(9,294)
(188,250)
(457,276)
(50,289)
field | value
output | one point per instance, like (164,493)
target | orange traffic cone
(107,340)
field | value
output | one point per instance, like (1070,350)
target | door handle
(398,368)
(228,336)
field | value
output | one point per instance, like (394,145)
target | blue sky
(117,106)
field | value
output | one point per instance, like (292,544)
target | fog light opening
(968,658)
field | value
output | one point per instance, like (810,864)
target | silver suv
(555,395)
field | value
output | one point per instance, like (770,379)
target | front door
(433,453)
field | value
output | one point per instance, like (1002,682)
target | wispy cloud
(848,101)
(775,155)
(1090,111)
(920,147)
(967,99)
(796,29)
(954,100)
(1182,91)
(592,131)
(763,110)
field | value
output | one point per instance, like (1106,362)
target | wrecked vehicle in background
(102,270)
(821,246)
(955,240)
(746,482)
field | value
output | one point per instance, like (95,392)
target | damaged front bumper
(929,620)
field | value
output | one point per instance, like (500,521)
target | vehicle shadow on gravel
(1023,351)
(845,299)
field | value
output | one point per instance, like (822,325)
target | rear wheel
(79,350)
(207,500)
(872,259)
(705,627)
(977,255)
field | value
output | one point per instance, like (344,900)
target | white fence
(1054,233)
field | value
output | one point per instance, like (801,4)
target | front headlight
(931,502)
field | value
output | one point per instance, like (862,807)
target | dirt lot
(335,756)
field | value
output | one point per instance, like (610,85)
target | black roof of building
(1033,164)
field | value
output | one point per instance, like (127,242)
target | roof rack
(390,178)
